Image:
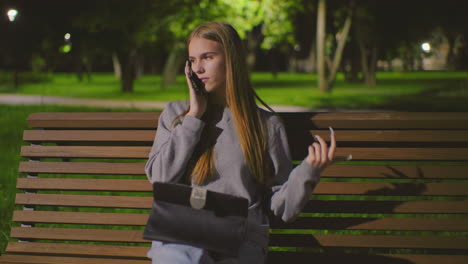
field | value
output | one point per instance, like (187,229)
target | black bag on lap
(195,216)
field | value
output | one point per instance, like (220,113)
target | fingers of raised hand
(316,157)
(331,151)
(320,154)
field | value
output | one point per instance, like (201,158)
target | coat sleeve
(291,188)
(173,146)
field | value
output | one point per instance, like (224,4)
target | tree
(327,75)
(125,27)
(262,23)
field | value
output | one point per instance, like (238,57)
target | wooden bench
(83,197)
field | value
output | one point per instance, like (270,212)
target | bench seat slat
(370,241)
(78,249)
(442,154)
(343,135)
(321,120)
(79,218)
(85,152)
(449,154)
(84,201)
(84,184)
(314,206)
(363,223)
(399,189)
(80,234)
(31,259)
(288,240)
(334,170)
(89,136)
(137,168)
(395,135)
(351,223)
(387,207)
(94,120)
(281,257)
(397,171)
(369,188)
(384,120)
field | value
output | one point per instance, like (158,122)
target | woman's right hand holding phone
(198,103)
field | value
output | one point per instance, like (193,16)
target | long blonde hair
(240,99)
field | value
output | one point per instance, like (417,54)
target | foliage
(274,16)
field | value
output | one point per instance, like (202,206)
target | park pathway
(17,99)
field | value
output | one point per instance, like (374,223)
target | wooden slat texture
(364,188)
(94,120)
(84,201)
(371,207)
(389,120)
(320,120)
(79,218)
(134,168)
(377,188)
(15,259)
(448,154)
(342,135)
(298,257)
(370,241)
(397,171)
(395,135)
(352,223)
(386,207)
(78,234)
(85,152)
(88,136)
(365,223)
(288,240)
(78,249)
(84,184)
(357,171)
(442,154)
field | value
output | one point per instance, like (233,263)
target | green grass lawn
(413,91)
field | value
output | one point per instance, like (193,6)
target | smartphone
(197,84)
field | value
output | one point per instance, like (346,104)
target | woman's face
(208,62)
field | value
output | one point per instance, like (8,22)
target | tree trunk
(339,49)
(171,66)
(89,67)
(312,58)
(139,66)
(370,78)
(128,60)
(79,71)
(321,18)
(355,68)
(117,67)
(16,79)
(252,44)
(368,57)
(450,61)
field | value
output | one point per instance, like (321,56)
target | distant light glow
(12,13)
(65,48)
(67,36)
(426,47)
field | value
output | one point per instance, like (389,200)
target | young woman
(225,143)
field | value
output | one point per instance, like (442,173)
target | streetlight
(12,13)
(426,47)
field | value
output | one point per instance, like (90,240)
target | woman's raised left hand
(320,154)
